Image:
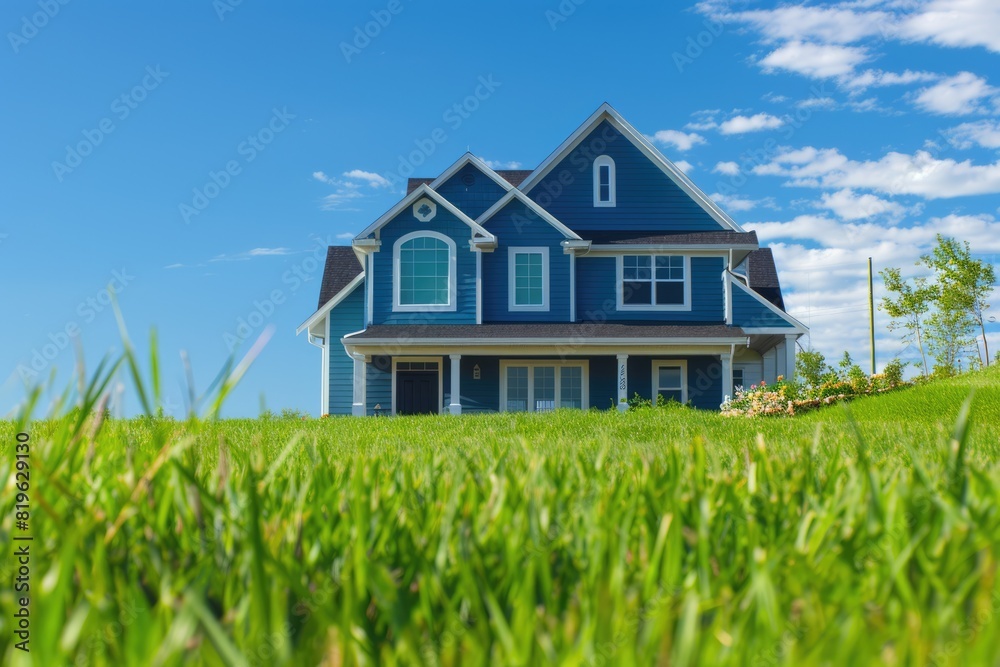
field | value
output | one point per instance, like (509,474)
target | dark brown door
(416,392)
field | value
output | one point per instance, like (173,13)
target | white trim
(799,327)
(670,363)
(533,207)
(332,303)
(359,403)
(727,296)
(619,286)
(512,253)
(726,360)
(562,350)
(424,191)
(479,287)
(790,356)
(452,304)
(531,364)
(572,287)
(715,250)
(371,290)
(440,363)
(469,158)
(455,364)
(605,161)
(606,112)
(324,400)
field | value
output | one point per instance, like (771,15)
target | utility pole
(871,312)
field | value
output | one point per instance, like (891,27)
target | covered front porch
(457,369)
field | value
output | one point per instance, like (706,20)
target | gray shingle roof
(342,266)
(561,330)
(513,176)
(724,238)
(763,276)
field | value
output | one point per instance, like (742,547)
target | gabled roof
(425,191)
(780,312)
(763,276)
(342,274)
(514,193)
(342,266)
(607,113)
(469,158)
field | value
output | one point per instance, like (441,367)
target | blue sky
(200,157)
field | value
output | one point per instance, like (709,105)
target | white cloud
(727,168)
(500,164)
(958,95)
(684,166)
(830,25)
(919,174)
(815,60)
(733,202)
(252,254)
(337,200)
(682,141)
(817,103)
(373,179)
(876,78)
(956,23)
(985,133)
(345,235)
(755,123)
(848,205)
(323,178)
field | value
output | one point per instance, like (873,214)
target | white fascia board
(533,207)
(799,326)
(423,191)
(332,303)
(606,112)
(715,249)
(469,158)
(574,341)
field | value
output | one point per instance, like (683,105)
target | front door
(416,392)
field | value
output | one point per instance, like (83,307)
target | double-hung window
(528,269)
(670,380)
(654,282)
(424,272)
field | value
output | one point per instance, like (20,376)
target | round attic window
(468,180)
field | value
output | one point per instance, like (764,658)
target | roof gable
(425,191)
(471,186)
(532,208)
(606,128)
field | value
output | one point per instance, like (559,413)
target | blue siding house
(601,274)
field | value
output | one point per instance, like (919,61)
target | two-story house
(601,274)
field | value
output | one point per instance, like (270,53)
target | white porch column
(790,357)
(727,375)
(622,382)
(455,407)
(358,407)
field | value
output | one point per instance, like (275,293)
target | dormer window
(604,181)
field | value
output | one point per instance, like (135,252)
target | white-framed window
(654,282)
(738,379)
(543,385)
(528,271)
(424,267)
(605,185)
(670,380)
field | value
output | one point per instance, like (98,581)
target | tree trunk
(982,327)
(921,346)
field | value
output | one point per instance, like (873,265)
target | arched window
(604,181)
(424,272)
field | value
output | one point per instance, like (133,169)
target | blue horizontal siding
(750,313)
(704,379)
(443,223)
(346,317)
(378,390)
(647,199)
(472,199)
(596,289)
(517,226)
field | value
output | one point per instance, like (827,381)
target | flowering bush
(789,398)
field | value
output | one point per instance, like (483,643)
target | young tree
(908,307)
(964,284)
(811,367)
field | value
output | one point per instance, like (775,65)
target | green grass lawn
(661,536)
